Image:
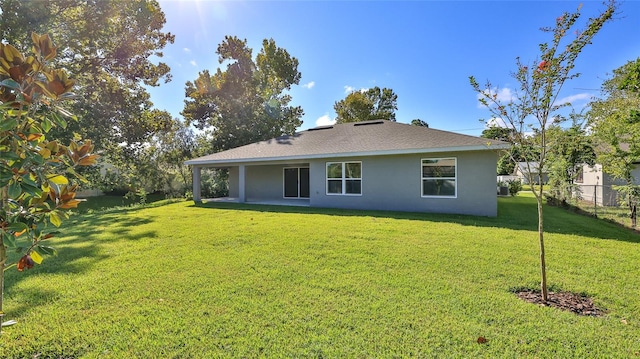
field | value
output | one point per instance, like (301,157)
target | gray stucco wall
(394,183)
(388,183)
(602,184)
(233,182)
(264,182)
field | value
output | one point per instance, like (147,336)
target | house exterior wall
(264,183)
(233,182)
(394,183)
(598,186)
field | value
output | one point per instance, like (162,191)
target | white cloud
(325,121)
(186,49)
(503,95)
(309,85)
(349,89)
(573,98)
(193,63)
(495,122)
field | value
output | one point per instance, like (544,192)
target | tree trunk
(543,265)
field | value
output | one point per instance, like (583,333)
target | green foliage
(368,284)
(631,80)
(214,183)
(506,165)
(535,105)
(615,127)
(507,160)
(176,145)
(113,47)
(498,133)
(366,105)
(515,186)
(248,101)
(569,149)
(419,122)
(38,181)
(615,123)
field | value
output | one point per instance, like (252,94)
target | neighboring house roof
(522,168)
(368,138)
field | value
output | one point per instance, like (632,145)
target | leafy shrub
(214,183)
(515,186)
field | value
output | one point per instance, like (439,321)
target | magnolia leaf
(47,250)
(33,136)
(8,240)
(31,190)
(88,160)
(18,227)
(37,258)
(58,179)
(10,83)
(14,190)
(8,124)
(55,219)
(46,125)
(26,179)
(71,204)
(9,323)
(45,153)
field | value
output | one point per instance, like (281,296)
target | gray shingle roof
(352,139)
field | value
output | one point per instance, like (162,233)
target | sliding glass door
(296,182)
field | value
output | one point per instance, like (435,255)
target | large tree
(366,105)
(112,46)
(535,105)
(615,122)
(247,101)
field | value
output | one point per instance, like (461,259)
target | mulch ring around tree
(572,302)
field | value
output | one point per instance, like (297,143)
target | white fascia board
(196,162)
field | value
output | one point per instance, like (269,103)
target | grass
(101,203)
(225,280)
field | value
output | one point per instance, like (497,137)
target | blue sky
(423,50)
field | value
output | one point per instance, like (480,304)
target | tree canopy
(615,123)
(111,46)
(569,149)
(366,105)
(419,122)
(248,100)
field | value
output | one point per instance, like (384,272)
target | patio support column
(196,184)
(241,175)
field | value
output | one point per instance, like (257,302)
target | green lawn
(223,280)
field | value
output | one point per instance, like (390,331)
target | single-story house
(596,185)
(521,171)
(377,165)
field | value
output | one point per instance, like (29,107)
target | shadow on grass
(105,202)
(79,250)
(517,213)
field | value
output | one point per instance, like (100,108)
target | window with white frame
(344,178)
(439,177)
